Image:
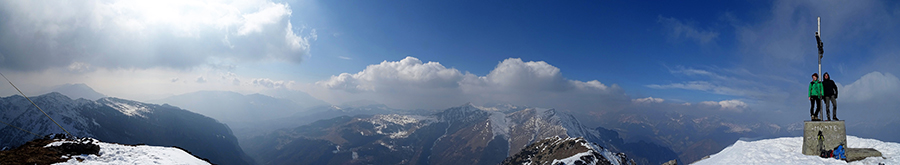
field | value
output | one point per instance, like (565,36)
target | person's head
(825,76)
(815,76)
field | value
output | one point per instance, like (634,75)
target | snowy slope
(787,150)
(122,154)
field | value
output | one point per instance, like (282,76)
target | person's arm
(810,91)
(821,90)
(835,89)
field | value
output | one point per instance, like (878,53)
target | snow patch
(573,158)
(121,154)
(128,109)
(499,124)
(788,150)
(399,134)
(406,123)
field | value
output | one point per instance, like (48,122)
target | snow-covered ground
(123,154)
(787,150)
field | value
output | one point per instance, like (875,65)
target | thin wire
(35,105)
(21,129)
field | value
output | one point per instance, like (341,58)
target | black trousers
(815,104)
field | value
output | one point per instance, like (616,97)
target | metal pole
(819,33)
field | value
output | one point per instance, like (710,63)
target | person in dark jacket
(831,94)
(815,97)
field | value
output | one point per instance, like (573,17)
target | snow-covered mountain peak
(56,98)
(76,91)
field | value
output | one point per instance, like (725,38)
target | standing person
(831,94)
(815,97)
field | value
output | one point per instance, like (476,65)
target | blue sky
(588,41)
(728,57)
(632,44)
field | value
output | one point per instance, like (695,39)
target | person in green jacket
(815,97)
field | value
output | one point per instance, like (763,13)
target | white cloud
(729,105)
(268,83)
(648,100)
(78,67)
(145,34)
(409,72)
(411,83)
(346,58)
(871,87)
(678,29)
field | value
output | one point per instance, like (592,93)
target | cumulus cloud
(143,34)
(411,83)
(872,86)
(268,83)
(648,100)
(678,29)
(728,105)
(406,73)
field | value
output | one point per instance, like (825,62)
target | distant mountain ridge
(227,106)
(76,91)
(120,121)
(691,137)
(466,134)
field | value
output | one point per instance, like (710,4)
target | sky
(732,58)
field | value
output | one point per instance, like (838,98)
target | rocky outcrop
(854,154)
(557,150)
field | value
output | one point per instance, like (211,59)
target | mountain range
(120,121)
(262,125)
(691,137)
(466,134)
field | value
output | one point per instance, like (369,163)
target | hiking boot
(835,118)
(812,118)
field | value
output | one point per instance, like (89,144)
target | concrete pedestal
(833,133)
